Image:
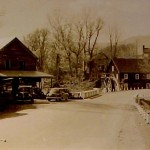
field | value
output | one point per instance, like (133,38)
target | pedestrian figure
(113,89)
(106,83)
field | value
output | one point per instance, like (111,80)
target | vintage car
(4,101)
(38,93)
(24,94)
(6,97)
(58,94)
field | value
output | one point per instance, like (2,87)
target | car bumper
(53,97)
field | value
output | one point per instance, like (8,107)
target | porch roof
(32,74)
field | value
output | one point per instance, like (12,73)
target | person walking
(113,89)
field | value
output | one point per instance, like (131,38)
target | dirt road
(110,122)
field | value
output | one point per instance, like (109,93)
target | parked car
(3,100)
(38,93)
(24,94)
(58,94)
(6,97)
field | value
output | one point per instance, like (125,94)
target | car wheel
(32,101)
(58,100)
(64,97)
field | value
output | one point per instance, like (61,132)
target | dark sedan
(38,93)
(24,94)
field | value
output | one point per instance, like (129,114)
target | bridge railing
(87,94)
(143,105)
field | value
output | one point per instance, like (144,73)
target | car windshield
(54,91)
(37,90)
(66,90)
(59,90)
(23,89)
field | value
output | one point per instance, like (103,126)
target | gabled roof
(4,41)
(20,43)
(128,65)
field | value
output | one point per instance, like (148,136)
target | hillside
(145,39)
(139,41)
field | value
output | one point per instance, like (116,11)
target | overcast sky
(20,17)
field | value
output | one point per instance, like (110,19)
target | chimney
(143,47)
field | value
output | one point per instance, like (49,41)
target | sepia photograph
(74,75)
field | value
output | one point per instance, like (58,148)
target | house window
(125,76)
(148,85)
(137,76)
(101,68)
(148,76)
(21,65)
(112,68)
(7,64)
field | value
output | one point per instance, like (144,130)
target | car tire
(32,101)
(64,97)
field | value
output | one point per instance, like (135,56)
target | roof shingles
(130,65)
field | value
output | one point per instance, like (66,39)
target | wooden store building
(18,65)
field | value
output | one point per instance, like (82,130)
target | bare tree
(38,42)
(92,32)
(114,36)
(67,44)
(78,46)
(62,37)
(78,40)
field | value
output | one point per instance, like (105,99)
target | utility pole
(57,66)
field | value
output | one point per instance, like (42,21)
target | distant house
(99,65)
(130,73)
(146,52)
(18,62)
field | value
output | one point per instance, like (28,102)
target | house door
(22,65)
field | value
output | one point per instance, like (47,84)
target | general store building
(18,64)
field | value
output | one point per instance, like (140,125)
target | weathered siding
(18,58)
(131,82)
